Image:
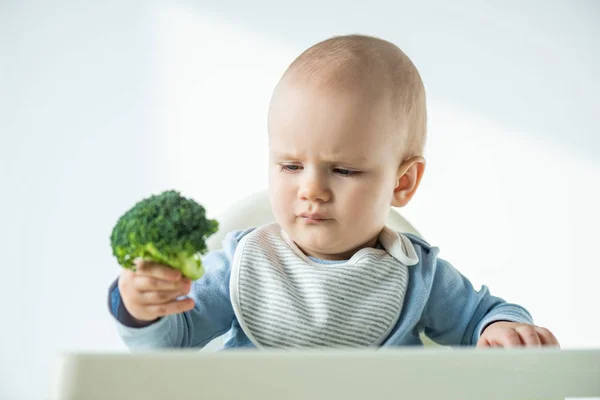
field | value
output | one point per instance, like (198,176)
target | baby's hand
(152,290)
(514,334)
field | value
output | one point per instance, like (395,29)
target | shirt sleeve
(211,316)
(457,314)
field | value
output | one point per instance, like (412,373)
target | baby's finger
(547,338)
(154,298)
(483,343)
(174,307)
(156,270)
(509,338)
(529,336)
(149,284)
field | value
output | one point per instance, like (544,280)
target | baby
(347,130)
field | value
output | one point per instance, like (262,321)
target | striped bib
(283,299)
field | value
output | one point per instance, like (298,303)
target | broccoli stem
(189,265)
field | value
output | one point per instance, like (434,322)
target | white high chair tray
(438,373)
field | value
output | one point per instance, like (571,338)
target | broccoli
(167,228)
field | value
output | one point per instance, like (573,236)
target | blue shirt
(440,302)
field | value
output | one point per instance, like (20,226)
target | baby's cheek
(281,196)
(369,203)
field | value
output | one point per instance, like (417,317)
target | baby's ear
(409,177)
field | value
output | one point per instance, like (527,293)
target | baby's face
(332,169)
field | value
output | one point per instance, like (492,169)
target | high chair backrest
(255,210)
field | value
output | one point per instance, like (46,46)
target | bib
(283,299)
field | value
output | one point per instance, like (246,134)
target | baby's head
(347,128)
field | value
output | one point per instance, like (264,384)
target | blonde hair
(376,65)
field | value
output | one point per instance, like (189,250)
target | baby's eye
(290,168)
(345,172)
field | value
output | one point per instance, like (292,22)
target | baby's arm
(210,317)
(457,314)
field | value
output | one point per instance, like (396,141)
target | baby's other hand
(514,334)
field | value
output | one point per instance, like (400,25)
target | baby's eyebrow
(330,159)
(286,156)
(334,158)
(357,159)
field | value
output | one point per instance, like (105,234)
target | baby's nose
(314,189)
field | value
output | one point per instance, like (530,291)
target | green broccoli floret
(167,228)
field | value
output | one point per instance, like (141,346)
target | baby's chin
(316,245)
(322,240)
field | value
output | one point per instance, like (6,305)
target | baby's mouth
(314,217)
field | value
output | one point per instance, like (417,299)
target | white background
(104,103)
